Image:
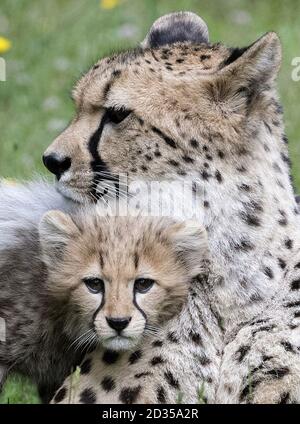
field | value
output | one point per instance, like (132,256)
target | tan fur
(120,250)
(198,96)
(209,114)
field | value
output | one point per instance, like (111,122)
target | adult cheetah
(180,107)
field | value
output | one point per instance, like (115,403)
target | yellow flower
(5,45)
(109,4)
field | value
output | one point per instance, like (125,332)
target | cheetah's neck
(252,222)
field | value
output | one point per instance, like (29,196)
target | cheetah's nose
(56,164)
(118,324)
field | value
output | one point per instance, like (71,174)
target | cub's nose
(56,164)
(118,324)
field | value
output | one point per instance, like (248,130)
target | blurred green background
(53,42)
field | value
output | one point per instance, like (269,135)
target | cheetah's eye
(94,285)
(117,115)
(142,285)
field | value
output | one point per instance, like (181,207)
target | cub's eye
(142,285)
(117,115)
(94,285)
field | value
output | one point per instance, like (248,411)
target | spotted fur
(211,114)
(69,281)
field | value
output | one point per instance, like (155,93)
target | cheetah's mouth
(119,343)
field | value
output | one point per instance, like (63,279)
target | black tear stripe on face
(138,308)
(97,311)
(97,164)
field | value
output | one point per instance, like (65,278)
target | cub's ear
(176,27)
(189,239)
(246,73)
(55,231)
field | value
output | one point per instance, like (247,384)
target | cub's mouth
(119,343)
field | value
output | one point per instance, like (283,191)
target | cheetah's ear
(55,231)
(176,27)
(261,60)
(189,239)
(246,73)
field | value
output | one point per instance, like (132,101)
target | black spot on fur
(250,219)
(143,374)
(86,366)
(60,395)
(219,176)
(129,395)
(116,73)
(278,372)
(284,398)
(161,395)
(287,345)
(187,159)
(87,396)
(194,143)
(196,338)
(167,139)
(204,360)
(281,263)
(292,304)
(242,352)
(288,243)
(283,219)
(173,163)
(263,328)
(205,175)
(157,360)
(172,338)
(110,357)
(268,272)
(245,187)
(171,380)
(108,384)
(135,356)
(244,245)
(157,343)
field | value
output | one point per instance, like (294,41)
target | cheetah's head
(119,278)
(149,113)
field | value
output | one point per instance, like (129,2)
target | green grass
(54,41)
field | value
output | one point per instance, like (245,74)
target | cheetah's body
(210,114)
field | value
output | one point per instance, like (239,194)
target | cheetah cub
(82,280)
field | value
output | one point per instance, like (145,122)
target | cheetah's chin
(71,193)
(119,343)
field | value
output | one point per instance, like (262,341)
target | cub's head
(154,112)
(119,278)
